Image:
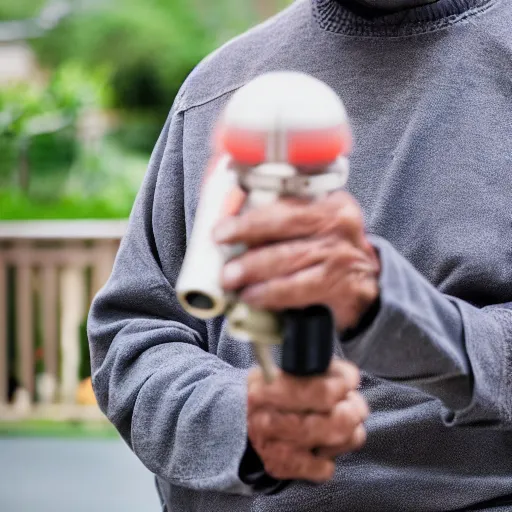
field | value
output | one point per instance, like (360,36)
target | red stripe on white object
(245,147)
(319,147)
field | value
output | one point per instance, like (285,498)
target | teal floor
(87,475)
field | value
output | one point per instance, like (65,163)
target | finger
(356,442)
(294,394)
(347,370)
(299,290)
(318,284)
(284,461)
(338,368)
(359,404)
(291,218)
(310,430)
(234,202)
(283,220)
(276,260)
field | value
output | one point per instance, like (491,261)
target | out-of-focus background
(85,87)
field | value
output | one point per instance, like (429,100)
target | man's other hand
(304,253)
(299,425)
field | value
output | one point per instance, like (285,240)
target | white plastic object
(285,100)
(279,105)
(199,284)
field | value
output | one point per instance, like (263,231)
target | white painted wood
(63,230)
(72,292)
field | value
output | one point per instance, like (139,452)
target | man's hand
(299,425)
(304,253)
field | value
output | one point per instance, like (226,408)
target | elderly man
(428,89)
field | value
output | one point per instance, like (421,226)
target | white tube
(199,283)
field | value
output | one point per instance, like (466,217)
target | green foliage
(98,186)
(150,46)
(38,122)
(19,9)
(27,110)
(128,55)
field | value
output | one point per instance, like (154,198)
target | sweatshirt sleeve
(179,408)
(440,344)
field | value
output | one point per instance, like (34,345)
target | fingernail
(233,272)
(225,230)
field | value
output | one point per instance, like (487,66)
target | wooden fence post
(72,292)
(3,333)
(59,254)
(49,312)
(24,326)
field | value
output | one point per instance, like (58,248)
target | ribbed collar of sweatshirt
(358,18)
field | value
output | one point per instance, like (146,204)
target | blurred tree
(20,9)
(150,46)
(29,111)
(20,21)
(144,50)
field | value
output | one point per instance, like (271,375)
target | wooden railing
(49,273)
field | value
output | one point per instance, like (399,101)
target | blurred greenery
(124,58)
(38,124)
(19,9)
(105,188)
(60,429)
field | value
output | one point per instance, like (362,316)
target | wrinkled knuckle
(311,218)
(370,291)
(277,461)
(331,393)
(288,250)
(353,212)
(353,288)
(322,279)
(326,249)
(350,219)
(284,221)
(253,432)
(330,470)
(243,225)
(258,424)
(304,395)
(360,438)
(342,255)
(274,468)
(351,381)
(352,375)
(344,414)
(365,285)
(249,264)
(344,432)
(309,429)
(363,407)
(253,397)
(294,426)
(266,423)
(366,294)
(337,436)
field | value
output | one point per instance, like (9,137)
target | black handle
(308,341)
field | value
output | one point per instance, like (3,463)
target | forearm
(439,344)
(181,409)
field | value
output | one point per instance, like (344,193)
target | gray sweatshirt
(429,95)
